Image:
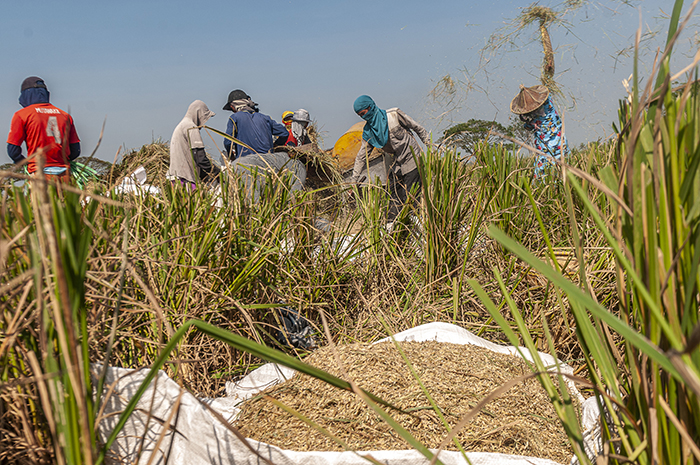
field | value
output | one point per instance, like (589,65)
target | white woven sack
(199,437)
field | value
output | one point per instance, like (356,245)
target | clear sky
(139,64)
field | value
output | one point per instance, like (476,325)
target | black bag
(296,330)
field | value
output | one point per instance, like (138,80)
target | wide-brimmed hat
(529,99)
(237,94)
(301,116)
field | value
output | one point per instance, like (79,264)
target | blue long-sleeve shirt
(253,129)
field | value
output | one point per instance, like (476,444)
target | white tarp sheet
(197,436)
(135,184)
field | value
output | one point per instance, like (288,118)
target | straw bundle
(154,157)
(321,167)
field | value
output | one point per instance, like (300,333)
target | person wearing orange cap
(535,108)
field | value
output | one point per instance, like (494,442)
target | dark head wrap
(33,91)
(376,131)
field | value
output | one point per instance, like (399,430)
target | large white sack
(197,436)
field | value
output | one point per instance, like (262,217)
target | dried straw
(154,157)
(521,422)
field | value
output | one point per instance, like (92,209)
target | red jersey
(291,140)
(43,126)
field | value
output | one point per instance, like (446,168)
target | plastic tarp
(196,435)
(135,183)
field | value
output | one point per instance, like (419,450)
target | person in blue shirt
(249,126)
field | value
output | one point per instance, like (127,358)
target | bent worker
(535,108)
(257,168)
(249,126)
(189,163)
(48,132)
(392,131)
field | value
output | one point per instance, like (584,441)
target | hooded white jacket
(186,137)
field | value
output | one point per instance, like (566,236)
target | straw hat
(529,99)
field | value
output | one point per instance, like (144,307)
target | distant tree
(465,136)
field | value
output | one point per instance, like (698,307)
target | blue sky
(139,64)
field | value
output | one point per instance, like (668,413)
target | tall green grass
(451,217)
(641,354)
(153,264)
(598,267)
(46,335)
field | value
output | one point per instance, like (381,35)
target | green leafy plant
(56,353)
(641,355)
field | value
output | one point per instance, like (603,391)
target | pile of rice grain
(521,422)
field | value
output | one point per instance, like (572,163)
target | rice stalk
(641,354)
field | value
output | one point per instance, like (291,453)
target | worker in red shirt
(48,132)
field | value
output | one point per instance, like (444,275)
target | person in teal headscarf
(391,131)
(376,131)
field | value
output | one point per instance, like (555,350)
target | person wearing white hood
(188,160)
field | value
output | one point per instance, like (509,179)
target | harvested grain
(522,421)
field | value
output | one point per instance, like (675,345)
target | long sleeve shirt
(400,143)
(253,129)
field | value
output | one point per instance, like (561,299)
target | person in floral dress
(535,108)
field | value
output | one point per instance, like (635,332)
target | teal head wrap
(376,131)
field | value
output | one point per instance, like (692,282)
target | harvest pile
(155,158)
(521,422)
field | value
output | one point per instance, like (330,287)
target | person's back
(188,158)
(249,126)
(253,129)
(48,131)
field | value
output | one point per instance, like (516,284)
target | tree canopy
(466,135)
